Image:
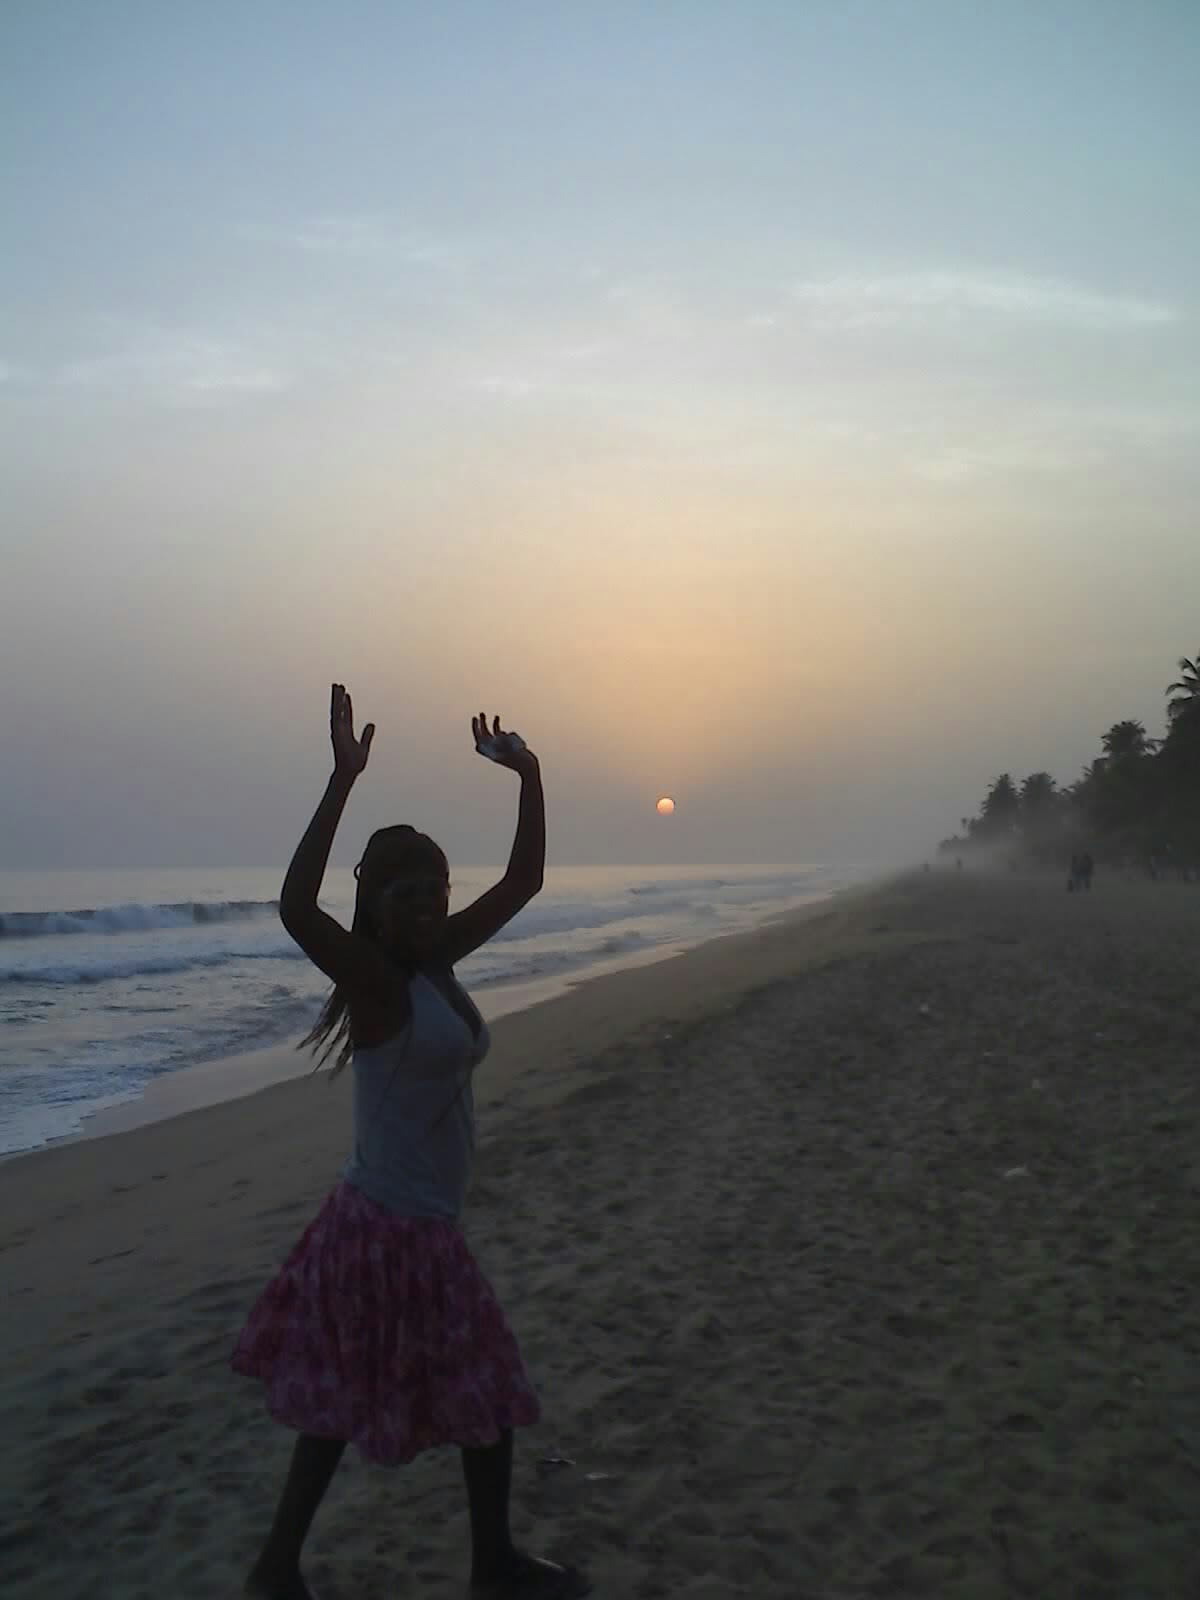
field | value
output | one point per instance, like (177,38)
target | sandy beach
(855,1256)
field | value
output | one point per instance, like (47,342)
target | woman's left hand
(505,749)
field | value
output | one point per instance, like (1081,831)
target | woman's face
(411,907)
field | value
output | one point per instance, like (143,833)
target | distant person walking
(1080,876)
(379,1327)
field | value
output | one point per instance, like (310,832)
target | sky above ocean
(793,409)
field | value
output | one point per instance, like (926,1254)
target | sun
(665,806)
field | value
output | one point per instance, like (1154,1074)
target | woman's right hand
(349,754)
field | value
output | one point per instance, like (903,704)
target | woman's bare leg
(276,1573)
(499,1570)
(488,1471)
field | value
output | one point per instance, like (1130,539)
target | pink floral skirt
(382,1330)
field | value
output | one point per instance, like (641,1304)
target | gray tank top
(414,1111)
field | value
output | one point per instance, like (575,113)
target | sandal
(531,1578)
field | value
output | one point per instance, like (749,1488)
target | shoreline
(246,1073)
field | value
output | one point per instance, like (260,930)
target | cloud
(505,386)
(585,350)
(939,299)
(649,310)
(959,463)
(175,365)
(11,372)
(339,236)
(1144,426)
(363,236)
(1083,438)
(1047,443)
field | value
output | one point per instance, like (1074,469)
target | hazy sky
(792,408)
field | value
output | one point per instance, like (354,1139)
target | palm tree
(1082,793)
(1186,689)
(1001,805)
(1139,798)
(1127,740)
(1181,756)
(1038,796)
(1041,807)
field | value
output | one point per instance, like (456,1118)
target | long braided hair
(387,850)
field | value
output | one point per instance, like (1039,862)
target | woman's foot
(526,1577)
(262,1586)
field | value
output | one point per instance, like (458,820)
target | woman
(379,1327)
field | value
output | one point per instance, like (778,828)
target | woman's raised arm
(346,957)
(466,930)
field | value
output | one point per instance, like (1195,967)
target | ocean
(109,980)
